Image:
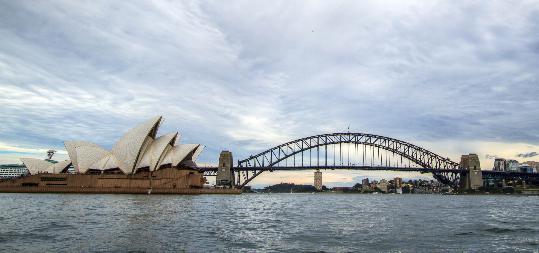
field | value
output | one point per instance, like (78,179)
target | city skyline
(454,78)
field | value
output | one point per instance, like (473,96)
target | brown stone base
(183,191)
(163,181)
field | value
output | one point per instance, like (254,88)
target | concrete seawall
(100,190)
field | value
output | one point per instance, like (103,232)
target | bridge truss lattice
(327,151)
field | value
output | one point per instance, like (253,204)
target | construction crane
(50,153)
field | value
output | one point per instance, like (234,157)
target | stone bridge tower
(225,174)
(472,179)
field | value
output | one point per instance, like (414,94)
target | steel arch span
(442,168)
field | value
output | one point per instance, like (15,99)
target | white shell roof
(35,166)
(159,148)
(189,163)
(88,155)
(61,166)
(129,148)
(157,151)
(178,154)
(136,149)
(109,161)
(144,161)
(71,147)
(197,152)
(189,150)
(168,159)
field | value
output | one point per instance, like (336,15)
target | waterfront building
(398,182)
(500,164)
(373,184)
(398,185)
(512,165)
(365,185)
(137,162)
(382,185)
(12,170)
(318,180)
(525,168)
(534,165)
(138,150)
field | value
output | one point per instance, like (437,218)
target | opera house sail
(140,161)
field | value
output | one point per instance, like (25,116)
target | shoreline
(103,190)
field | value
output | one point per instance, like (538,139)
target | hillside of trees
(286,188)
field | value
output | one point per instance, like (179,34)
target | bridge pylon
(318,180)
(473,178)
(225,174)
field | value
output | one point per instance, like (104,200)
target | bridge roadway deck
(332,167)
(488,173)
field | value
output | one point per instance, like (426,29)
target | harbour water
(268,222)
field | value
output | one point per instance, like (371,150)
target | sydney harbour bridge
(350,151)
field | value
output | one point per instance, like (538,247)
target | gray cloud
(528,155)
(250,75)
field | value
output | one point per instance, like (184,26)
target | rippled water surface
(268,222)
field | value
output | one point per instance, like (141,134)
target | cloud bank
(248,75)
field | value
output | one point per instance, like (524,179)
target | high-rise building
(398,185)
(500,164)
(398,182)
(318,180)
(365,184)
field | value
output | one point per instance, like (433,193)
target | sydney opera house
(140,161)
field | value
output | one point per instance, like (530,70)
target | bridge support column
(473,179)
(225,174)
(318,180)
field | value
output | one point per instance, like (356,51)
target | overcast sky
(452,76)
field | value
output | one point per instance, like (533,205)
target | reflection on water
(268,222)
